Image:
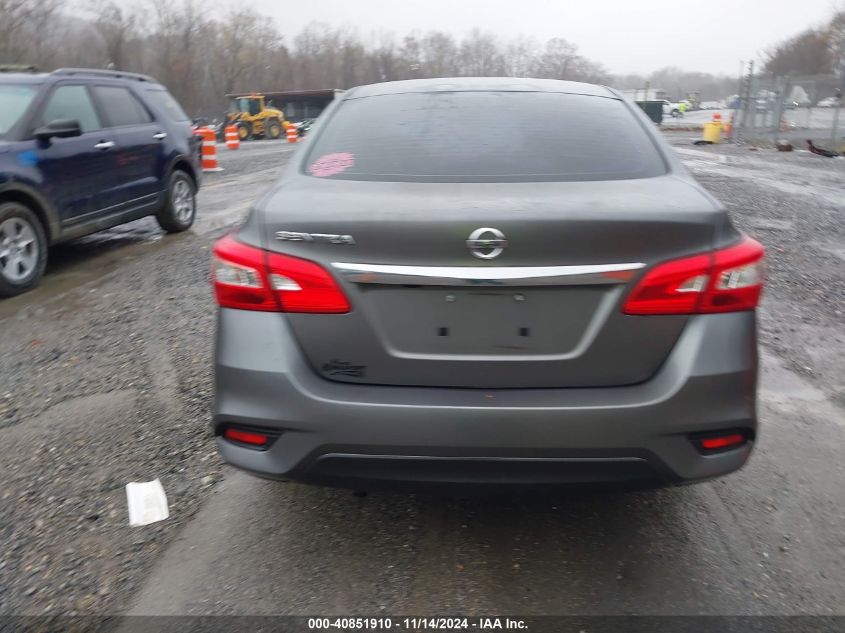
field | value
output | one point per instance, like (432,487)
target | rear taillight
(727,280)
(249,278)
(239,277)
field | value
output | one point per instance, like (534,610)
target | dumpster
(653,109)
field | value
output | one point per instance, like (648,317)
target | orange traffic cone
(232,140)
(293,135)
(209,150)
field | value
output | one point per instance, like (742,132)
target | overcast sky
(625,35)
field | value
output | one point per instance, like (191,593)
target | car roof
(42,78)
(22,78)
(480,84)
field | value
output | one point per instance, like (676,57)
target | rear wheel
(244,131)
(273,129)
(23,249)
(180,209)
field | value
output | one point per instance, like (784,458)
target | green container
(653,110)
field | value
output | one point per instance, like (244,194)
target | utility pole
(835,129)
(782,91)
(742,111)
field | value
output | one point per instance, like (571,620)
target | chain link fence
(792,108)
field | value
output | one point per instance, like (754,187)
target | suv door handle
(160,136)
(104,145)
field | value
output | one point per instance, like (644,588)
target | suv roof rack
(116,74)
(18,68)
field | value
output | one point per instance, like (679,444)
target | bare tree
(14,15)
(558,60)
(808,53)
(384,58)
(29,31)
(411,54)
(480,55)
(118,29)
(836,41)
(243,48)
(439,55)
(41,31)
(202,54)
(520,55)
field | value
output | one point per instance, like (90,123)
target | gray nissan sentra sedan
(486,281)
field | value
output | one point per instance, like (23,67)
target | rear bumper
(356,436)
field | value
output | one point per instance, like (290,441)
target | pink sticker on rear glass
(332,164)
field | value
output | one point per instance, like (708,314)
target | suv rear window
(121,106)
(483,136)
(165,102)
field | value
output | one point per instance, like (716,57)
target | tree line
(202,56)
(813,51)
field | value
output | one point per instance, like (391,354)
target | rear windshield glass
(164,101)
(14,102)
(483,136)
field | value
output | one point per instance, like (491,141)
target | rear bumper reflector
(721,442)
(251,438)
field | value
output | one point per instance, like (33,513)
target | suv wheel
(180,209)
(23,249)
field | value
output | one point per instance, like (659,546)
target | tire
(180,208)
(273,129)
(23,249)
(244,131)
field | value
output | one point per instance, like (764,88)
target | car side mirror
(60,128)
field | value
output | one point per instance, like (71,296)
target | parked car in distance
(83,150)
(671,109)
(828,102)
(557,303)
(713,105)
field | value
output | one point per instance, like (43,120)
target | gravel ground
(793,203)
(105,378)
(113,387)
(109,382)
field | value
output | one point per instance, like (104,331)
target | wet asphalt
(105,379)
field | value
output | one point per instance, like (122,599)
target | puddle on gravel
(86,259)
(770,224)
(838,250)
(94,256)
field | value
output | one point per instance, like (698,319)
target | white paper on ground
(147,502)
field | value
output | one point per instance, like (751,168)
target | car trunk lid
(544,312)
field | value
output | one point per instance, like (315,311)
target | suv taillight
(249,278)
(727,280)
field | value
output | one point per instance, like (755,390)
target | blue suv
(84,150)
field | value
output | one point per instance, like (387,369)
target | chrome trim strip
(597,274)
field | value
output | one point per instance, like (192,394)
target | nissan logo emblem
(486,243)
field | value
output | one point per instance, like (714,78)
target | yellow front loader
(254,119)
